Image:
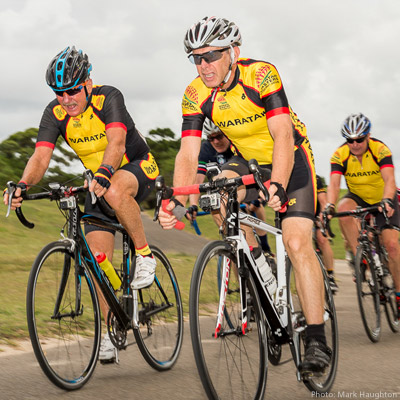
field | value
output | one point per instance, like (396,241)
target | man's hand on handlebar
(277,196)
(165,217)
(389,207)
(16,200)
(192,212)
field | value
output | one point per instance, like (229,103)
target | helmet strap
(227,76)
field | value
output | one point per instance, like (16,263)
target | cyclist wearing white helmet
(367,165)
(246,100)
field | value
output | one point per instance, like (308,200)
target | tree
(19,147)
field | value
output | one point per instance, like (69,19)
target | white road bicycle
(234,322)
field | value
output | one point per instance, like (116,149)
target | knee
(393,248)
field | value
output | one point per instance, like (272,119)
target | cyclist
(367,166)
(94,122)
(246,100)
(217,148)
(323,241)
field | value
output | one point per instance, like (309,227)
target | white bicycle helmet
(355,126)
(209,127)
(212,32)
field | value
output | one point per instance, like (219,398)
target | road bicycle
(62,305)
(230,310)
(374,282)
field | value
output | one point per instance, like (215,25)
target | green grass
(20,245)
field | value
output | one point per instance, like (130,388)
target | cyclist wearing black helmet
(367,165)
(94,122)
(246,100)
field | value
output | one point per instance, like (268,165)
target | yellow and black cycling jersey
(242,111)
(86,133)
(363,179)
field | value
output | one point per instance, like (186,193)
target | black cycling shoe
(316,359)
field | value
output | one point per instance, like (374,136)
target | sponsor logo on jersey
(190,98)
(98,101)
(241,121)
(361,173)
(87,139)
(267,79)
(59,112)
(223,104)
(150,167)
(292,202)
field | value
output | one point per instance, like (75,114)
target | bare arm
(186,163)
(33,173)
(333,190)
(390,186)
(194,198)
(281,130)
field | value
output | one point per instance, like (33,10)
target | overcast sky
(334,57)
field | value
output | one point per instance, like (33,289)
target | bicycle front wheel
(232,364)
(63,317)
(368,294)
(160,333)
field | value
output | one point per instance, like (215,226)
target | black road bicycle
(63,315)
(233,318)
(375,285)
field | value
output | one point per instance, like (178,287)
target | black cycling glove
(103,175)
(281,193)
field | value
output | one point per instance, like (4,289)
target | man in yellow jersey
(367,166)
(246,100)
(94,122)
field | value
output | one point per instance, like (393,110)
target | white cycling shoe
(145,272)
(108,352)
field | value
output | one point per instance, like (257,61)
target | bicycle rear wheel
(389,300)
(319,384)
(64,329)
(368,294)
(231,365)
(160,332)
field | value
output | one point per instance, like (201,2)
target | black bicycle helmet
(67,69)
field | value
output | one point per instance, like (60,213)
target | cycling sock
(264,243)
(330,272)
(316,331)
(144,251)
(256,252)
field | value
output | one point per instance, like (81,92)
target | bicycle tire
(160,333)
(389,299)
(231,365)
(368,294)
(67,346)
(318,384)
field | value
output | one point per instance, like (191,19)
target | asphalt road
(366,370)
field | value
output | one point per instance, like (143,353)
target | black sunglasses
(360,140)
(219,136)
(70,92)
(208,57)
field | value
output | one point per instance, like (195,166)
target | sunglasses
(360,140)
(215,137)
(70,92)
(208,57)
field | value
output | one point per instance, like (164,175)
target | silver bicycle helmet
(355,126)
(209,127)
(212,32)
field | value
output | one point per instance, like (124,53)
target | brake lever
(11,187)
(88,175)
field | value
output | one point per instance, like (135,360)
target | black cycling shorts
(379,218)
(301,190)
(145,171)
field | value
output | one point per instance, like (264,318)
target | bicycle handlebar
(165,192)
(358,212)
(56,192)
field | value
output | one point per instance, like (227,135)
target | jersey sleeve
(115,111)
(48,127)
(192,114)
(384,156)
(271,90)
(321,188)
(337,166)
